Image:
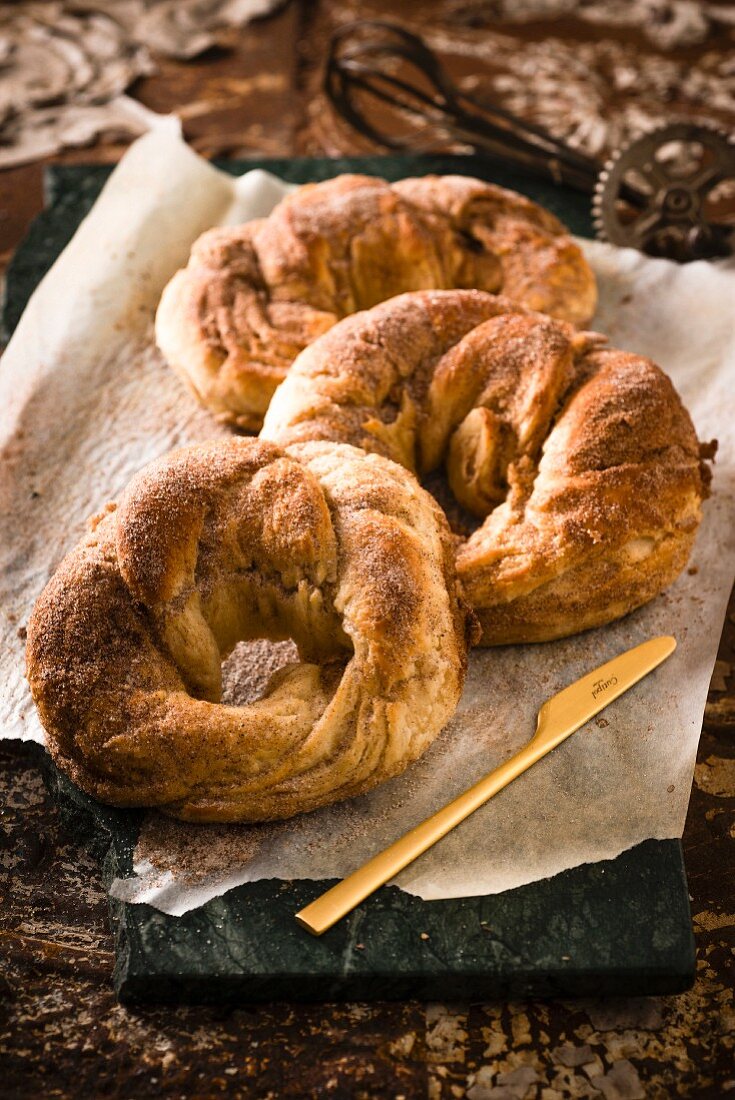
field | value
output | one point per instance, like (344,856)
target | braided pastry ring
(238,539)
(253,296)
(580,460)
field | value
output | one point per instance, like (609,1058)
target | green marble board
(618,927)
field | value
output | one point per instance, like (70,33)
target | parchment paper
(85,401)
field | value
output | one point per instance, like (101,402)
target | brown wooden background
(61,1032)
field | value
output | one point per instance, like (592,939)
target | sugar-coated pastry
(237,539)
(579,461)
(253,296)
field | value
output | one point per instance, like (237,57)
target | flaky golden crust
(580,460)
(233,540)
(252,297)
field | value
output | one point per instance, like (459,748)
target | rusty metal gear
(650,198)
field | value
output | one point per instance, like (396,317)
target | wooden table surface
(61,1032)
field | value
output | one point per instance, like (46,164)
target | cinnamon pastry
(579,461)
(253,296)
(233,540)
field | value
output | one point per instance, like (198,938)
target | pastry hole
(461,522)
(470,243)
(250,668)
(247,671)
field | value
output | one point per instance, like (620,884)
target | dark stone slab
(617,927)
(621,926)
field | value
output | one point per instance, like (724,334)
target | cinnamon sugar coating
(232,540)
(580,461)
(253,296)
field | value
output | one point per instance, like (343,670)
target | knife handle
(321,914)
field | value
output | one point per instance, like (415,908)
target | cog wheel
(653,193)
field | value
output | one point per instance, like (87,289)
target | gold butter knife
(559,717)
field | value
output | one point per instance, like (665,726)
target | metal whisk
(398,69)
(388,84)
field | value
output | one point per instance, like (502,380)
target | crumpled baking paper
(85,400)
